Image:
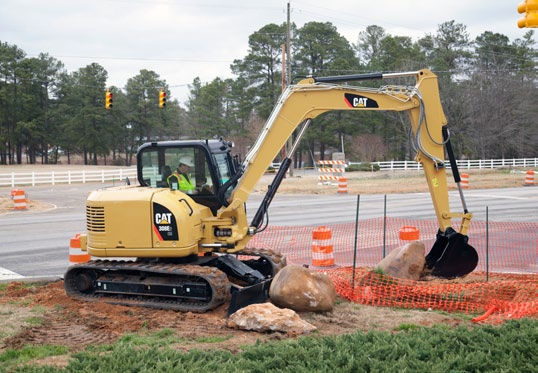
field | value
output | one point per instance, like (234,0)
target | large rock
(265,317)
(405,262)
(301,289)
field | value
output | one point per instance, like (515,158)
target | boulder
(301,289)
(266,317)
(406,262)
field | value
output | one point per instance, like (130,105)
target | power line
(142,59)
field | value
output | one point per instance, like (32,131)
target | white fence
(67,177)
(121,174)
(462,164)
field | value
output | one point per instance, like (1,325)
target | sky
(184,39)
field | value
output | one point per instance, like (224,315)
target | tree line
(488,90)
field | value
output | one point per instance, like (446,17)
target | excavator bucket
(451,256)
(245,296)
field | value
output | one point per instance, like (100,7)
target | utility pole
(288,46)
(288,75)
(284,63)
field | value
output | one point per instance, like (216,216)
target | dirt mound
(7,205)
(76,324)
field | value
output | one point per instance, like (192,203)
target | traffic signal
(530,8)
(108,99)
(162,99)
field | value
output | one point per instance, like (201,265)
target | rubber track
(217,280)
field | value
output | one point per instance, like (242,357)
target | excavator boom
(300,104)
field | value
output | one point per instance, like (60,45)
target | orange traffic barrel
(342,185)
(464,181)
(322,247)
(529,178)
(76,255)
(409,233)
(19,199)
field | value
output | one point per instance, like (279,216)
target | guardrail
(66,177)
(462,164)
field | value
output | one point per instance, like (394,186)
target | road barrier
(76,255)
(332,171)
(342,185)
(464,181)
(409,233)
(19,199)
(529,178)
(322,247)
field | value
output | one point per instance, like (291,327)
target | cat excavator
(155,245)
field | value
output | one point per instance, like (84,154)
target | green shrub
(13,357)
(510,347)
(364,166)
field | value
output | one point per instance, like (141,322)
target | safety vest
(181,182)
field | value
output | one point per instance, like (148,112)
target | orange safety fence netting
(505,296)
(503,286)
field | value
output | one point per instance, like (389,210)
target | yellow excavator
(187,249)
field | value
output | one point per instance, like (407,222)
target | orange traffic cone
(19,199)
(465,181)
(409,233)
(322,247)
(76,255)
(342,185)
(529,178)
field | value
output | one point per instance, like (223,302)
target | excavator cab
(207,164)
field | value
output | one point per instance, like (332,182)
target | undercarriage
(202,284)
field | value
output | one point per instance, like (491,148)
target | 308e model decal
(164,223)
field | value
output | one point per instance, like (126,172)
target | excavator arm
(451,256)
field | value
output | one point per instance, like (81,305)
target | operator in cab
(180,178)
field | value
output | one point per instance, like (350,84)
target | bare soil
(43,314)
(387,182)
(75,324)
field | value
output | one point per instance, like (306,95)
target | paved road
(35,244)
(504,205)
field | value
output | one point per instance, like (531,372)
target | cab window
(159,163)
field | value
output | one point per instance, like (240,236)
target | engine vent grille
(95,219)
